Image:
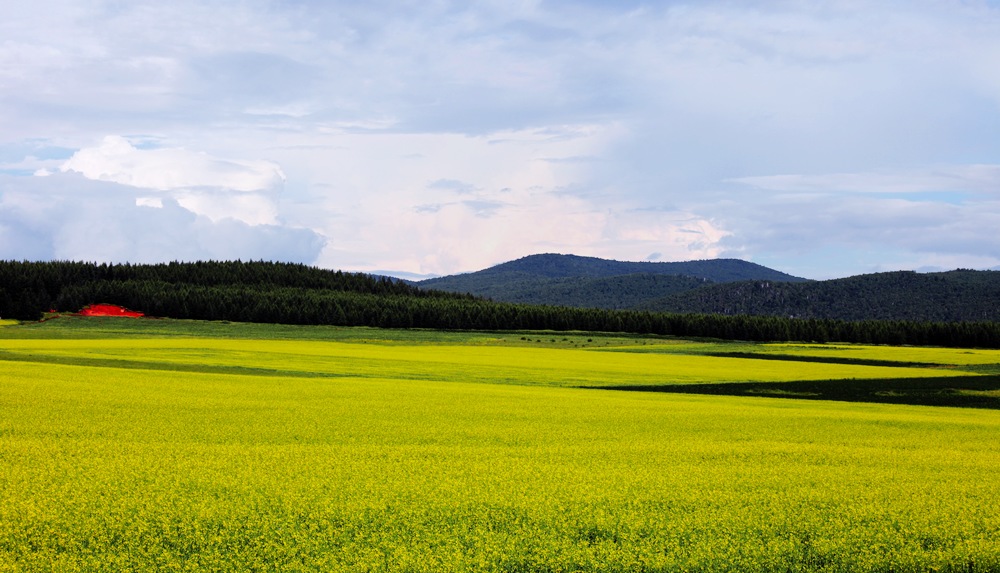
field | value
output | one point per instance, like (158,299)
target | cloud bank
(116,203)
(824,138)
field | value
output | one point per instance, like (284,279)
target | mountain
(551,265)
(570,280)
(959,295)
(614,292)
(732,287)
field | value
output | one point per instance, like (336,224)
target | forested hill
(960,295)
(232,290)
(551,265)
(297,294)
(732,287)
(592,282)
(615,292)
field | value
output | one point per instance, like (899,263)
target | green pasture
(174,446)
(447,362)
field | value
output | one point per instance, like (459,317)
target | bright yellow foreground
(205,454)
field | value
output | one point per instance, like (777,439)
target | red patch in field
(109,310)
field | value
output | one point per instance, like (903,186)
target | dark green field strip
(985,369)
(161,366)
(68,327)
(982,369)
(962,392)
(825,359)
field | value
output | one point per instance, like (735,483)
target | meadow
(184,446)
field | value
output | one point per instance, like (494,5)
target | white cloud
(68,217)
(117,160)
(675,235)
(205,185)
(776,129)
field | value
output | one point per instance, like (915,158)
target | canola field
(174,446)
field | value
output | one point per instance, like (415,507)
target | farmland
(177,445)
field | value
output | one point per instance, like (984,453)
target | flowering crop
(206,454)
(444,362)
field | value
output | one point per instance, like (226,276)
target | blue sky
(823,139)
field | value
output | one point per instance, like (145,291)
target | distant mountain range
(731,286)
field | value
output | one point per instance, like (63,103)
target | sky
(820,138)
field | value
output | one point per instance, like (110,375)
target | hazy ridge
(732,287)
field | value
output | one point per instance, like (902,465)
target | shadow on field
(823,359)
(962,392)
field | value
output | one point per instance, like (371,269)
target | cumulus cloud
(206,185)
(117,160)
(68,217)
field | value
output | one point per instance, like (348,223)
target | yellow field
(491,364)
(209,454)
(956,356)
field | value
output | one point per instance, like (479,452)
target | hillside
(732,287)
(960,295)
(294,294)
(231,290)
(614,292)
(572,280)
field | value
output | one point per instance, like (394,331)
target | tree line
(901,295)
(298,294)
